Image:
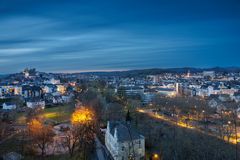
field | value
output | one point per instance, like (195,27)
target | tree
(71,141)
(234,118)
(114,111)
(3,127)
(81,135)
(121,92)
(128,117)
(40,134)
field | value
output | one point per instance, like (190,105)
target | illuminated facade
(61,89)
(124,142)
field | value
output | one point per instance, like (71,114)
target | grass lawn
(59,113)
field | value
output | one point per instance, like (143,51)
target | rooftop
(124,131)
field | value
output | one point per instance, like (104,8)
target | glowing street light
(155,157)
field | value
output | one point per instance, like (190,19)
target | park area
(54,115)
(57,114)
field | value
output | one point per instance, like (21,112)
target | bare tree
(41,135)
(80,138)
(3,127)
(71,141)
(235,119)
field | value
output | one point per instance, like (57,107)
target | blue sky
(91,35)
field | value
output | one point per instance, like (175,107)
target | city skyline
(73,36)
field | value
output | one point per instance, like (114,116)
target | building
(135,90)
(147,98)
(35,103)
(6,90)
(124,142)
(29,91)
(50,88)
(154,78)
(67,98)
(225,98)
(1,91)
(170,92)
(17,90)
(61,89)
(209,74)
(30,73)
(9,106)
(236,97)
(52,81)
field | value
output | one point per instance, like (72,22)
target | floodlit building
(18,90)
(123,142)
(61,89)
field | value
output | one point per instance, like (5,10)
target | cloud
(18,51)
(108,36)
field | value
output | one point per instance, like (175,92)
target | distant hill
(3,75)
(154,71)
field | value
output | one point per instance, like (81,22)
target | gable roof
(124,131)
(9,103)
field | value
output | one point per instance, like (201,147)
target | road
(152,114)
(101,151)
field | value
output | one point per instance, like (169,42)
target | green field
(59,114)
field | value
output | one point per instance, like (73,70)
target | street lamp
(155,157)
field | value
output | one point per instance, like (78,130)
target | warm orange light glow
(50,115)
(35,126)
(155,157)
(61,89)
(182,124)
(141,111)
(82,115)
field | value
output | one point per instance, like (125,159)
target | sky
(106,35)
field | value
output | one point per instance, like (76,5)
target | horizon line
(119,70)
